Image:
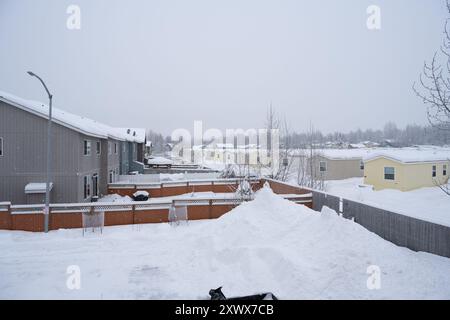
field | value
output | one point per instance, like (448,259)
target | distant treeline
(390,135)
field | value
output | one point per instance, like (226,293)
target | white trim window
(389,173)
(87,147)
(98,148)
(95,185)
(86,187)
(1,146)
(433,170)
(444,170)
(322,166)
(111,176)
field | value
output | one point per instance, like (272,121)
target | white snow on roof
(37,187)
(344,154)
(412,155)
(407,155)
(133,134)
(75,122)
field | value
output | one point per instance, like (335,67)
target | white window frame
(98,146)
(87,147)
(95,193)
(111,176)
(384,173)
(433,171)
(2,152)
(86,183)
(320,166)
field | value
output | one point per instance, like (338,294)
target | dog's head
(217,294)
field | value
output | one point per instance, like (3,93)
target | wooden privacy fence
(402,230)
(31,218)
(175,188)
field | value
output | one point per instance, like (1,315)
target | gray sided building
(86,155)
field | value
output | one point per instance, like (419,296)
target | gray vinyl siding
(25,152)
(337,169)
(124,159)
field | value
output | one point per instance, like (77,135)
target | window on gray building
(115,147)
(95,185)
(87,148)
(87,187)
(109,147)
(389,173)
(433,171)
(322,166)
(1,147)
(98,147)
(111,176)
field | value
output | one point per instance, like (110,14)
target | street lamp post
(49,153)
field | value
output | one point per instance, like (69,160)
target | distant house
(86,154)
(133,150)
(336,164)
(148,149)
(407,169)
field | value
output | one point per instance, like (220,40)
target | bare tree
(435,84)
(435,88)
(283,172)
(308,174)
(281,168)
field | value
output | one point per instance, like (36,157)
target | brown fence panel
(197,212)
(65,220)
(283,188)
(151,216)
(5,220)
(115,218)
(217,210)
(28,222)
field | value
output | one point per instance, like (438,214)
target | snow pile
(141,193)
(172,176)
(430,204)
(115,198)
(269,244)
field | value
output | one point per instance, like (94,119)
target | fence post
(210,209)
(9,223)
(133,212)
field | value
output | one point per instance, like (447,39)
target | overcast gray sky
(163,64)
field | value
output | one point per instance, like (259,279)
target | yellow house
(406,172)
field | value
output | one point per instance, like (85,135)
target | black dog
(217,294)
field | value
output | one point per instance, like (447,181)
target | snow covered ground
(269,244)
(429,204)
